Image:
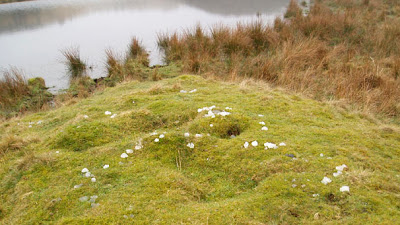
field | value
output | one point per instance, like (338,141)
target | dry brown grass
(13,87)
(137,52)
(11,143)
(76,67)
(348,51)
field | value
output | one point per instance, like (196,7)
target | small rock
(129,151)
(106,166)
(93,179)
(290,155)
(262,123)
(107,113)
(187,134)
(246,144)
(156,140)
(211,125)
(264,128)
(315,195)
(161,136)
(88,174)
(124,155)
(338,173)
(198,135)
(321,155)
(232,136)
(294,185)
(326,180)
(113,116)
(282,144)
(94,205)
(190,145)
(183,91)
(83,199)
(78,186)
(86,116)
(345,189)
(316,216)
(260,115)
(341,168)
(254,143)
(57,152)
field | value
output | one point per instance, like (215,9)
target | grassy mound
(205,176)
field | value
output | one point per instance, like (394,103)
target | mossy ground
(218,181)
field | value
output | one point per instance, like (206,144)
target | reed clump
(345,50)
(18,95)
(134,67)
(76,67)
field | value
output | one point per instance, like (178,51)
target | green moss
(86,135)
(223,127)
(216,182)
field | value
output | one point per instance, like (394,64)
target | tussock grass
(11,143)
(76,66)
(13,87)
(343,50)
(18,95)
(137,52)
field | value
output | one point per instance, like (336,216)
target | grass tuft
(76,66)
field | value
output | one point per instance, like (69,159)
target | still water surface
(33,33)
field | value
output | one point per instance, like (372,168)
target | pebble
(282,144)
(78,186)
(124,155)
(88,174)
(264,128)
(187,134)
(161,136)
(156,140)
(93,179)
(338,173)
(107,113)
(190,145)
(254,143)
(290,155)
(106,166)
(83,198)
(326,180)
(345,189)
(341,168)
(262,123)
(129,151)
(246,144)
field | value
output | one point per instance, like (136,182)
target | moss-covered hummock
(219,181)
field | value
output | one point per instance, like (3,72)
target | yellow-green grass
(218,181)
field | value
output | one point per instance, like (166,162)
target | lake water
(33,33)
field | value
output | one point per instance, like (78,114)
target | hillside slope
(218,181)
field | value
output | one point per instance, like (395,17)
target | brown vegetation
(341,49)
(17,95)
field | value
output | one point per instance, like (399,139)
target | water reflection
(33,33)
(34,14)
